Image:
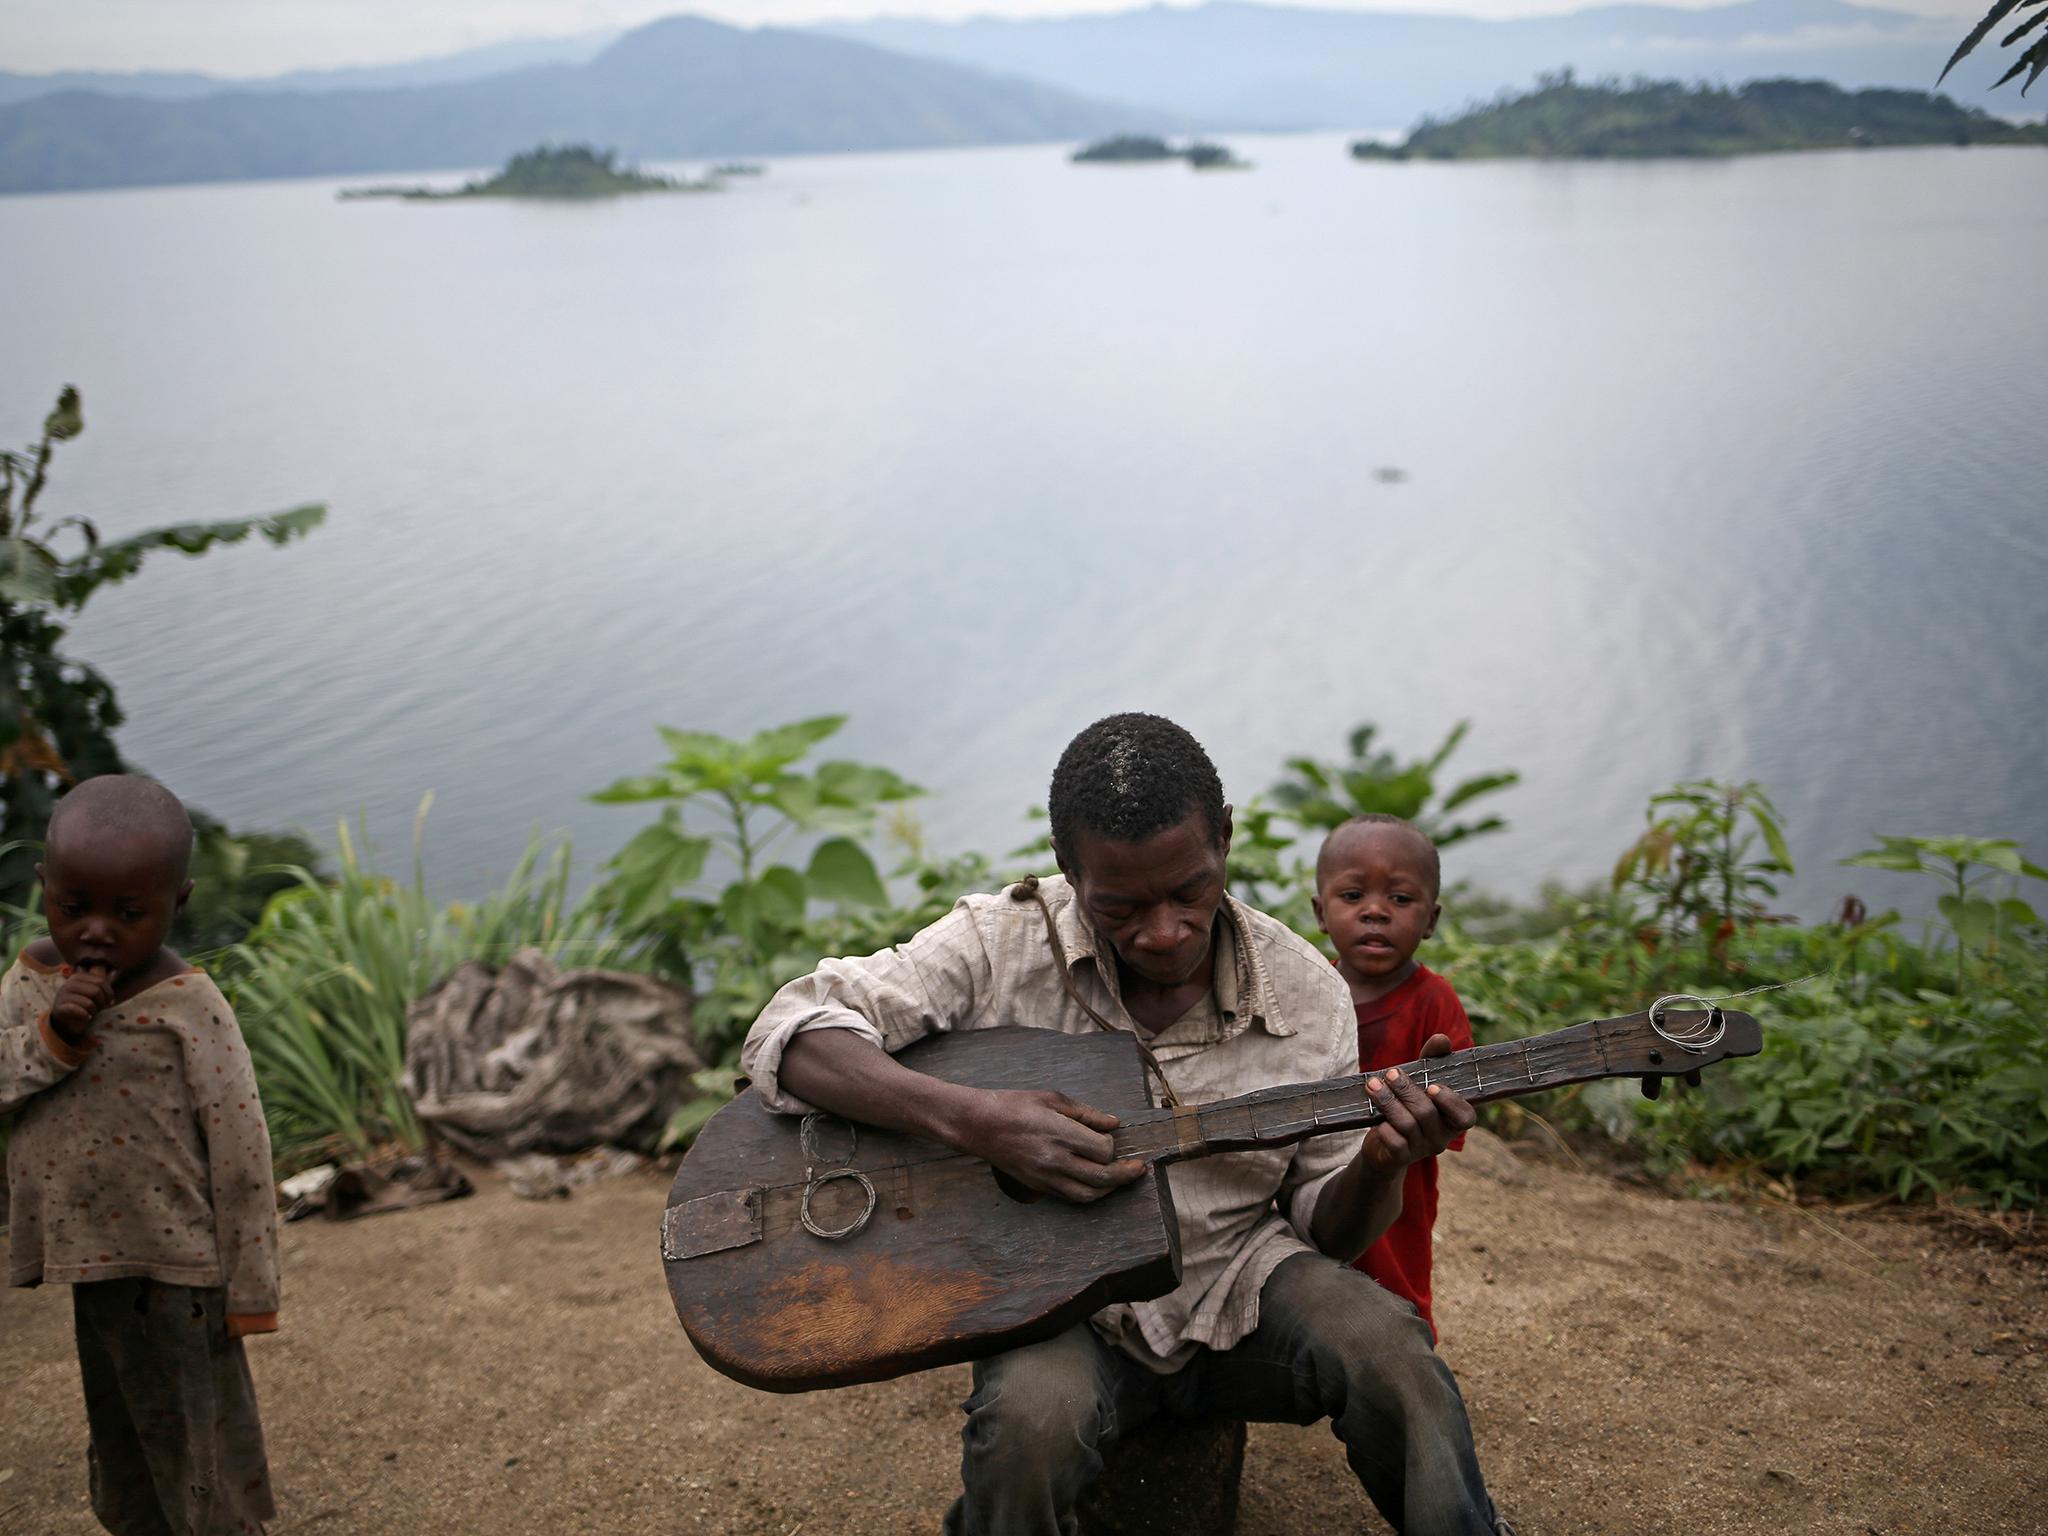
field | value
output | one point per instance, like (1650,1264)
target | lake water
(1727,468)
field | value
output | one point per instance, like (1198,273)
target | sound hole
(1016,1191)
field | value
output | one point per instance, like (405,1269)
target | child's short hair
(1431,862)
(126,805)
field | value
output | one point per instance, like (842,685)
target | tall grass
(322,984)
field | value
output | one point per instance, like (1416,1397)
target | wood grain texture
(950,1267)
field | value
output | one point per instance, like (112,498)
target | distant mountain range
(687,88)
(675,89)
(444,69)
(1229,65)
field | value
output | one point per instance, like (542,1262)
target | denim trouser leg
(1331,1343)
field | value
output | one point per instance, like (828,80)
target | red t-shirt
(1391,1033)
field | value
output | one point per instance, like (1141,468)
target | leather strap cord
(1027,890)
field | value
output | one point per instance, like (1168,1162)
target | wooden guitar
(817,1253)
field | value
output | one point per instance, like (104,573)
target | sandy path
(1633,1364)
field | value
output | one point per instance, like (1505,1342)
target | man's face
(1375,899)
(1153,903)
(110,901)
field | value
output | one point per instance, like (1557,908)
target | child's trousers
(177,1449)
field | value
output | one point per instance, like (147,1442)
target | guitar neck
(1275,1117)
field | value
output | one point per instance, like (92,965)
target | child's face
(110,901)
(1376,901)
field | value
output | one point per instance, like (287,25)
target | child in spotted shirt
(139,1169)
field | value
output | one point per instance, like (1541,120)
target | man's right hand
(1048,1142)
(85,994)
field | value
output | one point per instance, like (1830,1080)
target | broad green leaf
(842,872)
(1774,838)
(658,861)
(2000,855)
(782,895)
(1893,855)
(861,785)
(1973,918)
(768,752)
(28,572)
(2018,913)
(643,787)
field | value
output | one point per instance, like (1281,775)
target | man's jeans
(1330,1344)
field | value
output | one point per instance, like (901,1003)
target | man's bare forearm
(1046,1140)
(1355,1209)
(840,1071)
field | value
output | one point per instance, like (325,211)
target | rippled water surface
(1727,468)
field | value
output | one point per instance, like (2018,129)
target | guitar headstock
(1667,1041)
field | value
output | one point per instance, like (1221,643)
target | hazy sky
(245,37)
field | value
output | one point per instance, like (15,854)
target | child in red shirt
(1377,881)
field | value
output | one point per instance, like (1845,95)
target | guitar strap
(1027,890)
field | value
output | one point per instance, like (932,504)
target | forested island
(1566,119)
(570,172)
(1140,149)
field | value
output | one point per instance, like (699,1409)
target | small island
(1142,149)
(572,172)
(1643,119)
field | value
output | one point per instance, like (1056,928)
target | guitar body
(915,1256)
(948,1267)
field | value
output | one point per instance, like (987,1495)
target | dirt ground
(1633,1364)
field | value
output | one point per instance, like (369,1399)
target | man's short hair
(1130,777)
(1431,861)
(125,805)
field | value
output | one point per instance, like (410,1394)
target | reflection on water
(1719,468)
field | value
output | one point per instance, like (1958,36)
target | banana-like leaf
(2036,56)
(28,572)
(2024,27)
(122,558)
(1992,18)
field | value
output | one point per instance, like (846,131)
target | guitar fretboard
(1275,1117)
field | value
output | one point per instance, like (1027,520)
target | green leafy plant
(1711,853)
(1979,923)
(1318,796)
(739,802)
(322,984)
(58,714)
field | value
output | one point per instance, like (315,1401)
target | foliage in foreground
(1566,119)
(57,713)
(1894,1066)
(2033,58)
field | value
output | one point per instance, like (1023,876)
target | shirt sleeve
(238,1161)
(936,981)
(1321,1158)
(33,1056)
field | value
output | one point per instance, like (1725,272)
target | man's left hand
(1419,1123)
